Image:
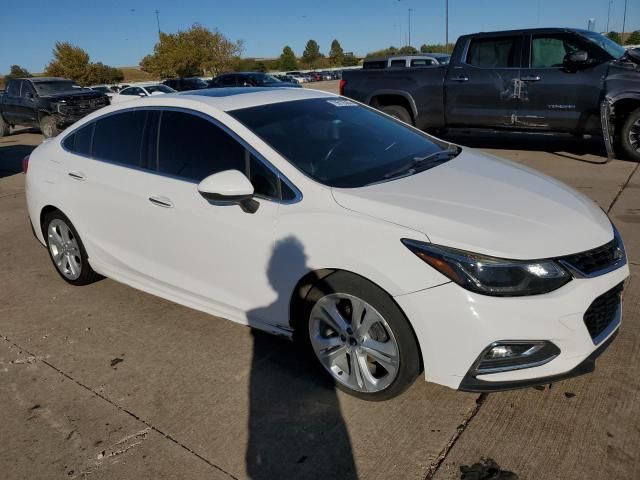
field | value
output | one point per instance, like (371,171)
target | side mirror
(142,94)
(228,188)
(576,58)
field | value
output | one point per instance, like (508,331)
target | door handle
(77,175)
(460,79)
(161,201)
(531,78)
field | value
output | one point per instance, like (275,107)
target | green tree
(349,60)
(633,39)
(436,48)
(383,53)
(408,50)
(17,72)
(288,59)
(336,54)
(100,73)
(69,61)
(194,51)
(311,53)
(615,36)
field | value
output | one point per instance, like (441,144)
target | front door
(556,97)
(482,88)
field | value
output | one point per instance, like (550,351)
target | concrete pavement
(104,381)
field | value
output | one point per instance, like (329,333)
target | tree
(436,48)
(17,72)
(195,51)
(99,73)
(383,53)
(408,50)
(615,36)
(69,61)
(311,53)
(349,60)
(336,54)
(288,59)
(634,38)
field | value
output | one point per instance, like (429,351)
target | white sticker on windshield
(342,103)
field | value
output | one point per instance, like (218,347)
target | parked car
(381,248)
(550,80)
(48,103)
(140,91)
(407,61)
(286,78)
(250,79)
(298,77)
(106,89)
(185,84)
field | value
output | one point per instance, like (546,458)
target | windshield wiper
(419,164)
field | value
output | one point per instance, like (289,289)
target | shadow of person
(296,430)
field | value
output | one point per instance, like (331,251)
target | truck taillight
(342,84)
(25,164)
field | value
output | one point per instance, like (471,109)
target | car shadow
(589,150)
(296,429)
(11,157)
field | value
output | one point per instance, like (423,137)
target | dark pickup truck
(48,103)
(542,80)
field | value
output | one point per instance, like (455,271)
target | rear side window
(118,138)
(422,62)
(194,148)
(500,52)
(80,141)
(14,88)
(398,63)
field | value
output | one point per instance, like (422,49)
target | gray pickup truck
(552,80)
(50,104)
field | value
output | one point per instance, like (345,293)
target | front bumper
(454,326)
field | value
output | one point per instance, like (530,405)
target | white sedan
(383,249)
(140,91)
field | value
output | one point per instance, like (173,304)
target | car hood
(483,204)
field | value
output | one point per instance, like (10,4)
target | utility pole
(609,14)
(624,21)
(158,22)
(446,24)
(410,25)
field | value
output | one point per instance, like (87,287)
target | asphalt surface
(108,382)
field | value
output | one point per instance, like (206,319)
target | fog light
(514,355)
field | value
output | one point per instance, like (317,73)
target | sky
(120,33)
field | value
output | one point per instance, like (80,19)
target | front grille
(602,311)
(598,259)
(83,107)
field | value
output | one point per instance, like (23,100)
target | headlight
(491,275)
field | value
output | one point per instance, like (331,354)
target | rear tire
(630,136)
(48,126)
(367,347)
(396,111)
(4,128)
(66,250)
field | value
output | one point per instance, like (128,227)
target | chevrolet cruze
(386,251)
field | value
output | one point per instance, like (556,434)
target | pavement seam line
(435,466)
(624,185)
(11,194)
(122,409)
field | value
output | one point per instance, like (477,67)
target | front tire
(48,126)
(630,136)
(66,250)
(396,111)
(361,337)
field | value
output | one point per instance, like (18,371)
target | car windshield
(338,142)
(261,79)
(614,49)
(196,83)
(54,86)
(159,88)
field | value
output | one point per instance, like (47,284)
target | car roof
(47,79)
(529,31)
(234,98)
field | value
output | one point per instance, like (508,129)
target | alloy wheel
(634,135)
(64,249)
(354,343)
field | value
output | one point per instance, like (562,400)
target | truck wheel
(4,128)
(48,126)
(630,136)
(396,111)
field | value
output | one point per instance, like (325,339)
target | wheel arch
(44,212)
(622,105)
(383,98)
(298,304)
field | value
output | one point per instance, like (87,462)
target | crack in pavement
(622,188)
(122,409)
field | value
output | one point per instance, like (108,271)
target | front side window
(158,89)
(118,138)
(131,91)
(337,142)
(398,63)
(548,51)
(500,52)
(14,88)
(422,62)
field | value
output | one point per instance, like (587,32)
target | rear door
(555,97)
(482,86)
